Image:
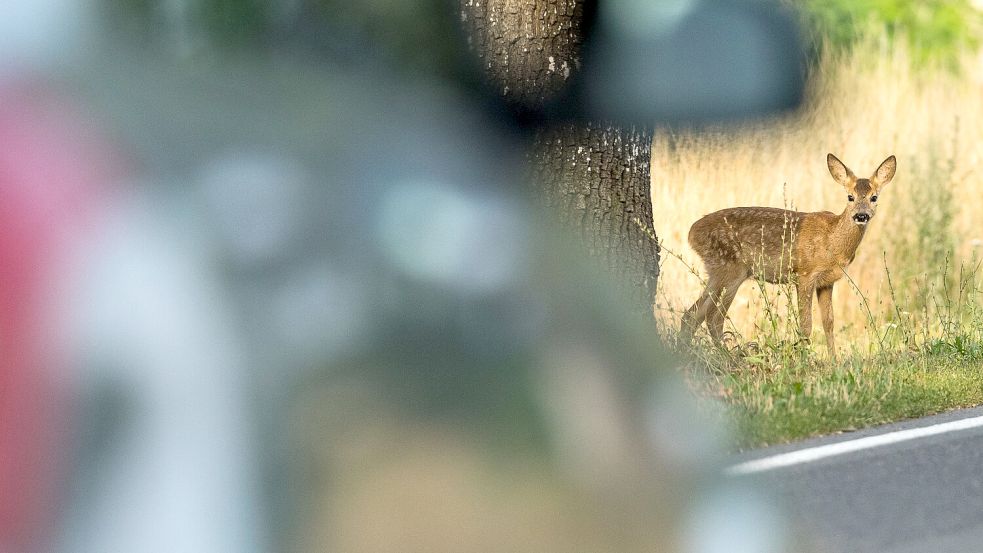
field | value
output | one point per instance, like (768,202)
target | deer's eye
(849,197)
(873,198)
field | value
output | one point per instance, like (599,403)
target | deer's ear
(885,172)
(840,172)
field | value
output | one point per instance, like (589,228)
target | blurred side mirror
(691,61)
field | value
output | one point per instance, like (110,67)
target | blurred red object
(54,172)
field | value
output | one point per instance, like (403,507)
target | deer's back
(754,237)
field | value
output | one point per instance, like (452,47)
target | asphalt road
(919,495)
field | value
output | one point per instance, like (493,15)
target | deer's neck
(846,236)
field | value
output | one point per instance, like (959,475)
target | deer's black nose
(861,217)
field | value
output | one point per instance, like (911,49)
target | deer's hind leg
(697,313)
(718,311)
(692,318)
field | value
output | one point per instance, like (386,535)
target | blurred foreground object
(121,423)
(121,415)
(693,61)
(330,309)
(53,173)
(164,459)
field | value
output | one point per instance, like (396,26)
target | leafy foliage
(936,31)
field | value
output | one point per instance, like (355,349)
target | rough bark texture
(528,48)
(596,179)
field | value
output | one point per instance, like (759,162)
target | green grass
(920,352)
(778,388)
(793,402)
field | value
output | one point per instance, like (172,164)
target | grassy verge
(919,353)
(788,403)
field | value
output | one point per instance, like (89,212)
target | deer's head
(862,194)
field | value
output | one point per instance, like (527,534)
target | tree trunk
(528,48)
(594,177)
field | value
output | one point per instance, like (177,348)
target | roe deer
(811,250)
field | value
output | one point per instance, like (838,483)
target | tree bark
(594,177)
(528,48)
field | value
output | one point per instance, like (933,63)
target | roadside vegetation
(909,315)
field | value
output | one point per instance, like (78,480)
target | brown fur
(811,250)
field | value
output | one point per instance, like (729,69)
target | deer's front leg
(805,288)
(825,297)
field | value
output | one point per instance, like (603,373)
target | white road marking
(839,448)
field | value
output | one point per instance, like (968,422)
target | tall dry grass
(862,105)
